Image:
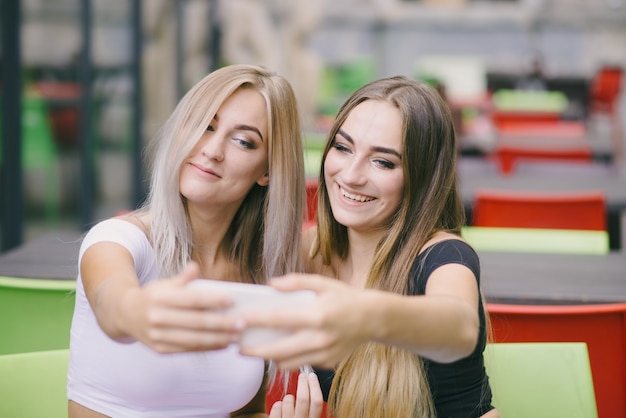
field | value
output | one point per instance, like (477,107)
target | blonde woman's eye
(245,143)
(210,128)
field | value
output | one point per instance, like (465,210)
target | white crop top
(131,380)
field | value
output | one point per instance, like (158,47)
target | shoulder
(445,244)
(127,231)
(443,249)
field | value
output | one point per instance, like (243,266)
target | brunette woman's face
(231,156)
(363,168)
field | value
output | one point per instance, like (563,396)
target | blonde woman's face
(363,168)
(231,156)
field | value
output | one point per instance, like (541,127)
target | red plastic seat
(602,327)
(504,120)
(605,89)
(515,209)
(508,155)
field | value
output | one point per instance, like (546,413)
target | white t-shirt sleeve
(128,236)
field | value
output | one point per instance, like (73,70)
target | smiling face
(363,168)
(231,156)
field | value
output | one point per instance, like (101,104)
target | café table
(548,279)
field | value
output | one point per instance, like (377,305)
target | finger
(302,397)
(297,281)
(298,344)
(288,319)
(189,273)
(276,410)
(289,406)
(200,320)
(316,396)
(174,340)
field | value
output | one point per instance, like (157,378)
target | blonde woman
(143,343)
(400,327)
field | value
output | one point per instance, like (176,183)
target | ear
(264,181)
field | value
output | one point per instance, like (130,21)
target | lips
(355,197)
(205,170)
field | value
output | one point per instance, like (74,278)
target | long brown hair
(377,380)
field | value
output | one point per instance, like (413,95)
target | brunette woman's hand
(169,316)
(322,333)
(308,402)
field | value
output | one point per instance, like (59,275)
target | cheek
(395,188)
(330,165)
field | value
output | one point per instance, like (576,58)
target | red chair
(508,155)
(605,89)
(275,392)
(602,327)
(504,120)
(515,209)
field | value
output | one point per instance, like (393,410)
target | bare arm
(165,315)
(442,325)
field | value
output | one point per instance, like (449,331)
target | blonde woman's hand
(322,333)
(308,402)
(169,316)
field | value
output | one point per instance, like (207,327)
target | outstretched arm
(441,325)
(165,315)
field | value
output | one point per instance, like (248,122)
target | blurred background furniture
(35,314)
(517,209)
(509,155)
(537,240)
(602,327)
(541,380)
(34,384)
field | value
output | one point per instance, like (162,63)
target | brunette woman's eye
(384,164)
(340,147)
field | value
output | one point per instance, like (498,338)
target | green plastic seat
(33,385)
(537,240)
(35,314)
(530,100)
(541,380)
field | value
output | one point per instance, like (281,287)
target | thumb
(299,281)
(189,273)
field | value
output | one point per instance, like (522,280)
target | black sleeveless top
(459,389)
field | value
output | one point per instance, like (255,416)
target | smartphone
(249,297)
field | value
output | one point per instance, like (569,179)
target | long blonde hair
(376,380)
(264,237)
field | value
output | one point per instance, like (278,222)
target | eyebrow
(243,127)
(377,149)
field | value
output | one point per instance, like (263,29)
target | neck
(208,233)
(356,267)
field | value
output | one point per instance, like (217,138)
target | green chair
(541,380)
(537,240)
(35,314)
(39,152)
(33,385)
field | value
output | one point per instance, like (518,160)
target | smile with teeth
(356,197)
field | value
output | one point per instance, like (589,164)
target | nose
(213,148)
(353,174)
